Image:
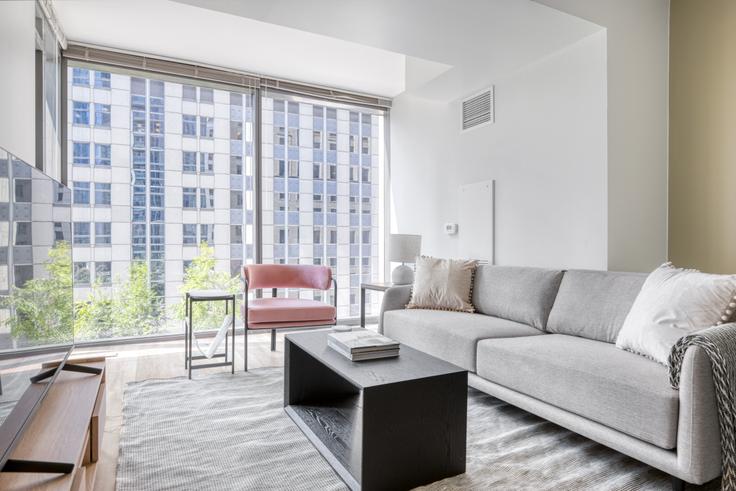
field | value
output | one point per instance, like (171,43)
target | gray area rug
(230,432)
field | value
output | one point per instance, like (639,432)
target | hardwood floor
(132,362)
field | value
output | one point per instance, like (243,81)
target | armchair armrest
(395,298)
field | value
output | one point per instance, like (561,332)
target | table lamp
(403,248)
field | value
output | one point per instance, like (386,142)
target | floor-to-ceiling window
(160,170)
(322,192)
(163,174)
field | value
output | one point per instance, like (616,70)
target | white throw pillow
(673,303)
(443,284)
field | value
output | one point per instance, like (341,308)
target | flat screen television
(36,294)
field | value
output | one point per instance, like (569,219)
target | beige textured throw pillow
(443,284)
(673,303)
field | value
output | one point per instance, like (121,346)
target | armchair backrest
(287,276)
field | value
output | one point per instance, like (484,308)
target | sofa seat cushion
(270,310)
(451,336)
(596,380)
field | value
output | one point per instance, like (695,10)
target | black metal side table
(208,296)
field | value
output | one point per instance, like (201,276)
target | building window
(236,234)
(81,192)
(80,76)
(207,233)
(317,140)
(189,197)
(317,170)
(236,165)
(102,115)
(366,174)
(293,201)
(103,233)
(81,273)
(206,163)
(189,162)
(317,203)
(366,237)
(236,130)
(23,231)
(80,111)
(205,95)
(206,198)
(189,233)
(102,154)
(278,135)
(351,144)
(102,193)
(81,232)
(185,265)
(279,235)
(189,93)
(236,199)
(23,190)
(293,168)
(279,201)
(332,204)
(206,127)
(317,236)
(293,137)
(332,235)
(61,232)
(279,168)
(103,273)
(365,145)
(332,172)
(331,141)
(80,153)
(366,206)
(353,204)
(189,125)
(102,80)
(354,173)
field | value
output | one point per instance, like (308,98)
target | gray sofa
(544,340)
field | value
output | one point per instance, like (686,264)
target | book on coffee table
(362,345)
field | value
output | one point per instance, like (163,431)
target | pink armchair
(279,313)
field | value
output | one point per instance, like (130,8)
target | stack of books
(362,344)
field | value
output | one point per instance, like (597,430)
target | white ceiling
(439,49)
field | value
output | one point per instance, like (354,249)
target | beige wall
(702,180)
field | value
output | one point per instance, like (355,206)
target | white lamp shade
(404,248)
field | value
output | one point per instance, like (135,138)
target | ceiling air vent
(478,109)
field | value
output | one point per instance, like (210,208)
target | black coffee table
(394,423)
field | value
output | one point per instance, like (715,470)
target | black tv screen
(36,288)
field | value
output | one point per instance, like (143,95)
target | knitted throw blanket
(719,343)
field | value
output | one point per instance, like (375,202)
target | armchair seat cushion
(289,310)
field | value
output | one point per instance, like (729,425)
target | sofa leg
(677,484)
(273,339)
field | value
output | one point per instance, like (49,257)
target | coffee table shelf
(395,423)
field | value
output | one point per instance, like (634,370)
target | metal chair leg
(273,339)
(245,337)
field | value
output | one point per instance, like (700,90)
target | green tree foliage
(42,310)
(133,309)
(201,275)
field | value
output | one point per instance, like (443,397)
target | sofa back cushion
(594,304)
(516,293)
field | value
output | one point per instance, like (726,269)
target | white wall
(17,79)
(547,152)
(638,84)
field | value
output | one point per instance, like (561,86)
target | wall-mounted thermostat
(451,228)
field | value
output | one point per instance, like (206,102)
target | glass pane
(320,194)
(138,291)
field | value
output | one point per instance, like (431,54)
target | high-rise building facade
(158,166)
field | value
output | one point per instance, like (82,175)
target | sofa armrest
(698,433)
(395,298)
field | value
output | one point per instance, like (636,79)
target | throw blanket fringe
(719,343)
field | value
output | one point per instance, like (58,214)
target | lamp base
(402,275)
